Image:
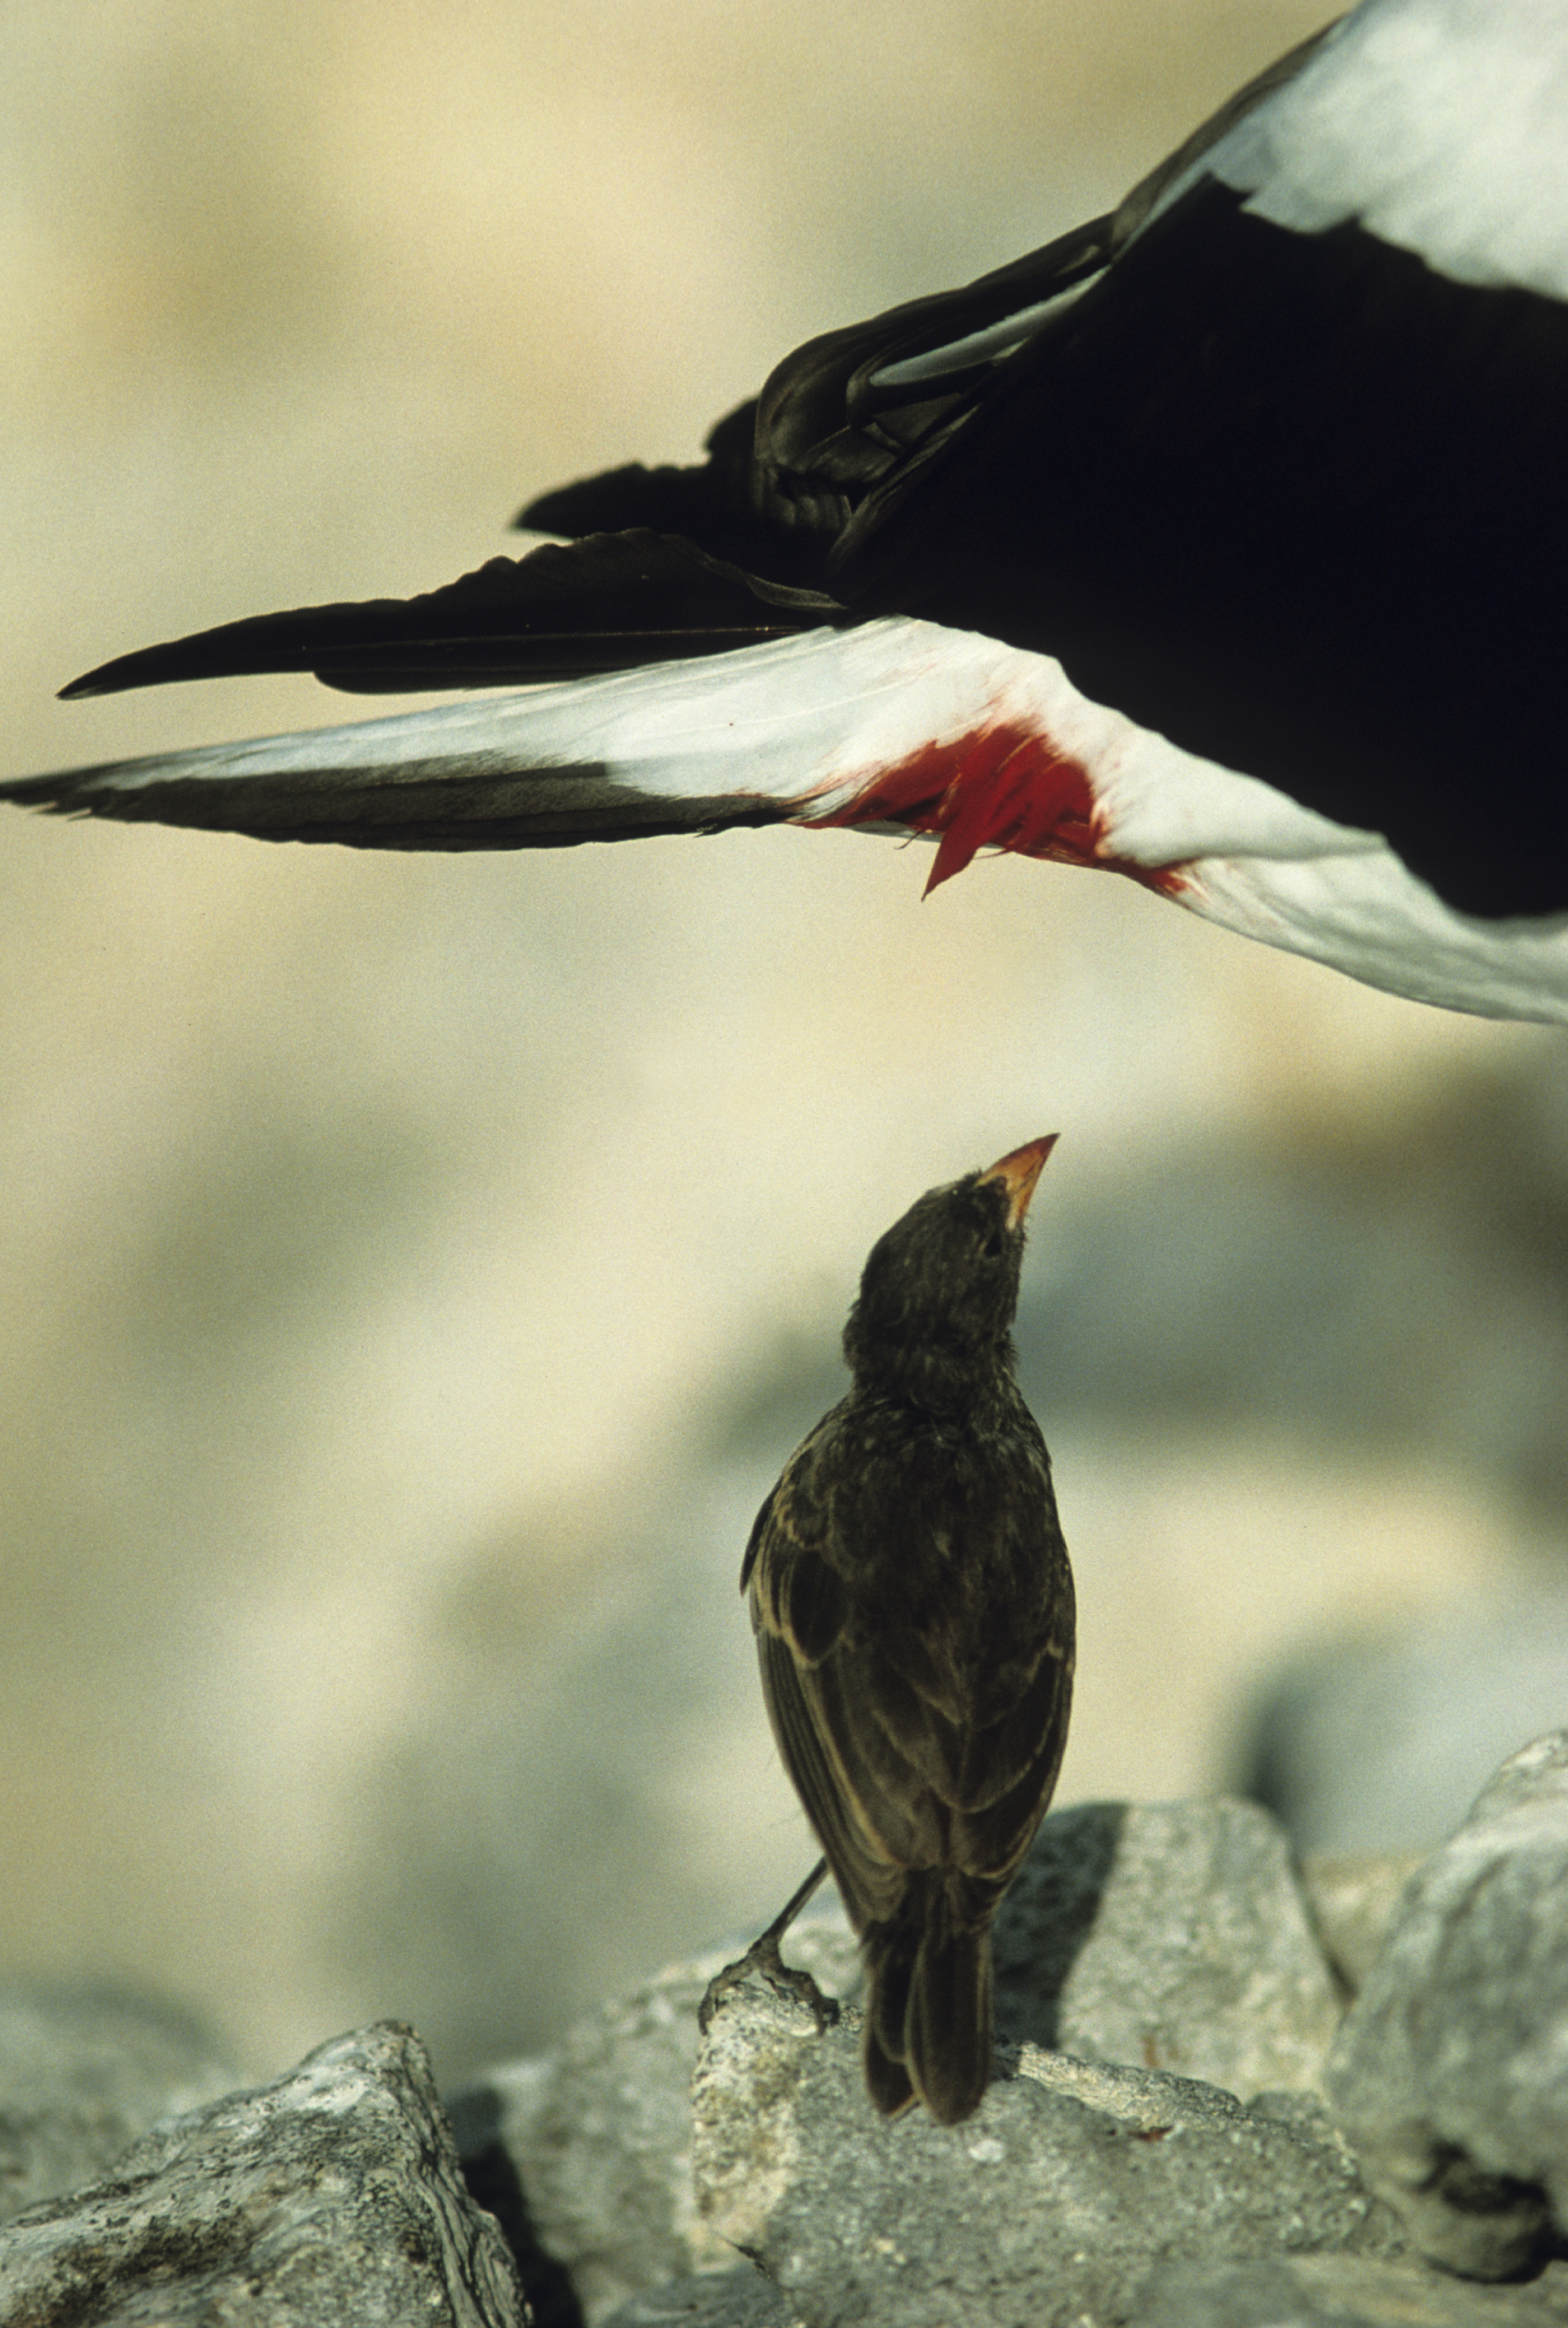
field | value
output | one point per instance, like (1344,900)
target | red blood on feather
(1002,786)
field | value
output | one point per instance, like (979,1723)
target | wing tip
(101,681)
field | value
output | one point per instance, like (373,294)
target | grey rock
(333,2194)
(1354,1899)
(741,2298)
(1340,2291)
(1449,2075)
(599,2132)
(1172,1935)
(1053,2202)
(1381,1742)
(82,2074)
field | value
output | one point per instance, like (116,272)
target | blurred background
(416,1271)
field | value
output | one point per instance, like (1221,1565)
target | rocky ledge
(1189,2129)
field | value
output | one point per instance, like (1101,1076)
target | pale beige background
(382,1241)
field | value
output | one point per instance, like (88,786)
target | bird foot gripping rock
(1057,2198)
(764,1962)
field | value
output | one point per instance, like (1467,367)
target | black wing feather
(607,602)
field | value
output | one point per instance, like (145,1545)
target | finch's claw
(763,1957)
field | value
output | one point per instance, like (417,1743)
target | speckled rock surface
(1052,2204)
(741,2298)
(1170,1936)
(1340,2290)
(333,2194)
(1449,2075)
(599,2132)
(1354,1898)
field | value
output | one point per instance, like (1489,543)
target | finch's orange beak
(1019,1171)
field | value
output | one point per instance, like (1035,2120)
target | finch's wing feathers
(873,1816)
(1020,1745)
(795,1591)
(911,1714)
(754,1541)
(1011,1774)
(1021,1695)
(877,1726)
(986,1784)
(972,1765)
(798,1607)
(901,1814)
(870,1883)
(968,1702)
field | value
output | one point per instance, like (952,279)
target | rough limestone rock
(741,2298)
(1053,2203)
(1380,1743)
(334,2195)
(82,2074)
(1354,1898)
(598,2133)
(1340,2290)
(1170,1936)
(1286,2291)
(1450,2072)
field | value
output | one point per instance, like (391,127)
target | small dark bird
(912,1605)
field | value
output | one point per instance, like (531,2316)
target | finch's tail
(928,2018)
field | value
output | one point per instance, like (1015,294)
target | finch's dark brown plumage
(912,1605)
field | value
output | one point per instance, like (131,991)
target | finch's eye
(990,1250)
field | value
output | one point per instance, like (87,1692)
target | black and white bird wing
(845,426)
(1220,543)
(1227,494)
(843,420)
(693,561)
